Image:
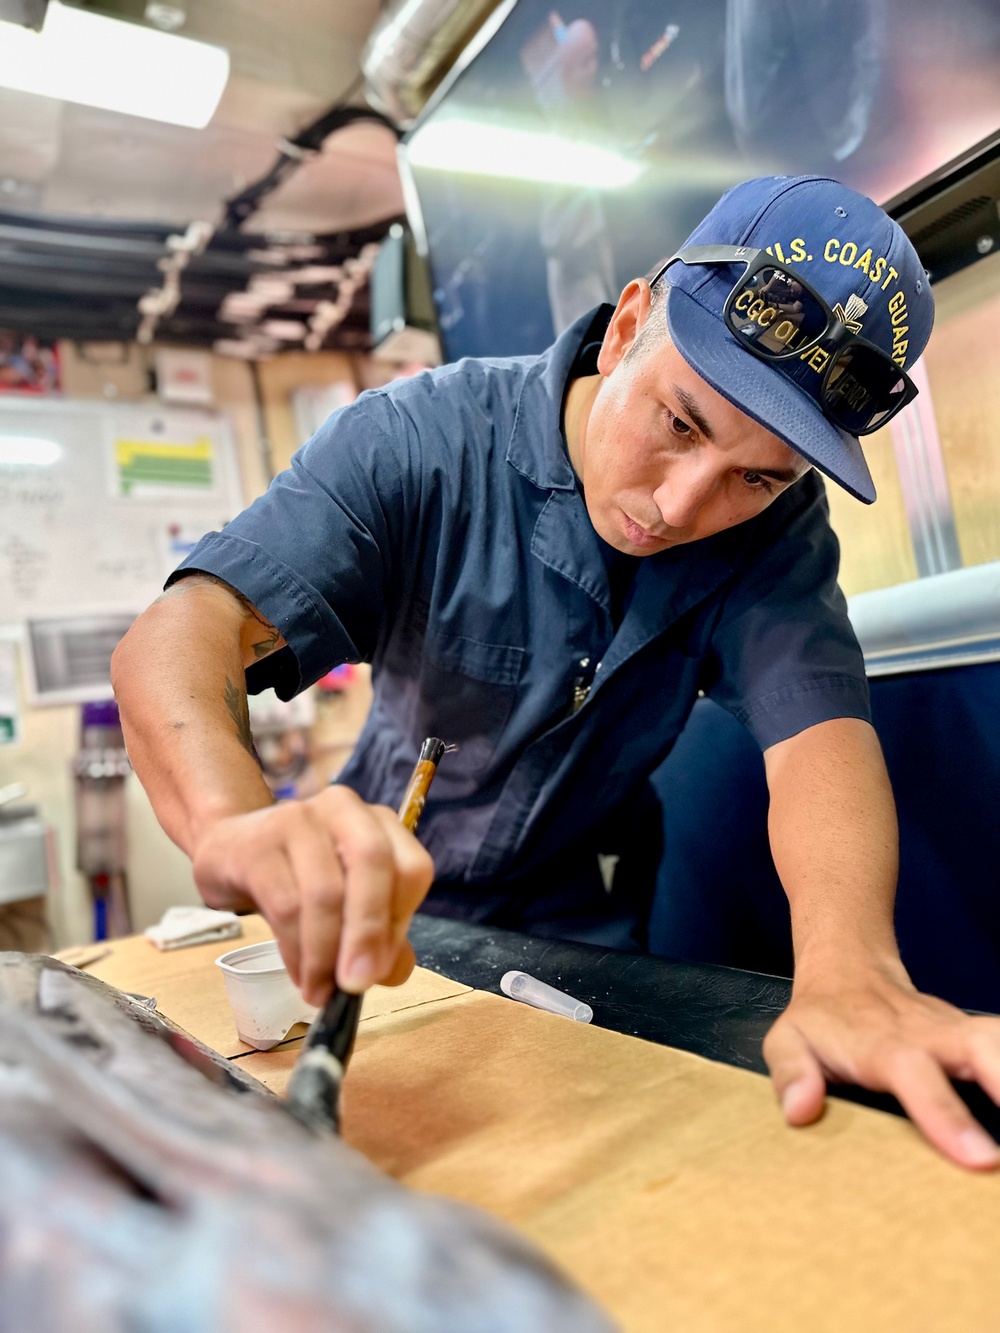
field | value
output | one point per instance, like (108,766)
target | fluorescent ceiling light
(80,56)
(17,450)
(482,149)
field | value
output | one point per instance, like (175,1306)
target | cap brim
(766,395)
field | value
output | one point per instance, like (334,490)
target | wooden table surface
(667,1185)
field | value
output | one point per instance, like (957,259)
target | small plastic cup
(265,1003)
(529,990)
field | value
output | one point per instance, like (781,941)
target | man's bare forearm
(834,840)
(179,679)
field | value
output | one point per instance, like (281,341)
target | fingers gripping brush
(314,1090)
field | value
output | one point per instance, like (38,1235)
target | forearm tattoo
(271,639)
(239,711)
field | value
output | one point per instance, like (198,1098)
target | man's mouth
(640,536)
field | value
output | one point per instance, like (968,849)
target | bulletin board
(100,501)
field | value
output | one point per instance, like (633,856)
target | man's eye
(756,482)
(679,426)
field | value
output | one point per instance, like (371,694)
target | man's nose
(685,490)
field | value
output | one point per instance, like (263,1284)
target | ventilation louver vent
(981,204)
(962,236)
(70,657)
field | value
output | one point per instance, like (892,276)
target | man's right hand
(337,880)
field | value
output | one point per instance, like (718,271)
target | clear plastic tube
(519,986)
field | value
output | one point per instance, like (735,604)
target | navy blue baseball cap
(845,247)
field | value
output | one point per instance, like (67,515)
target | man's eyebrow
(785,474)
(693,411)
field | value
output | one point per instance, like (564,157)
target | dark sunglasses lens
(774,314)
(863,390)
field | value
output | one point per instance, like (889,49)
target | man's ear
(630,315)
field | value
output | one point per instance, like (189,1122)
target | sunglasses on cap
(774,313)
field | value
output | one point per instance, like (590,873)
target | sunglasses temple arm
(708,254)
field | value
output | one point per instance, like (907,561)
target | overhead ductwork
(96,280)
(415,44)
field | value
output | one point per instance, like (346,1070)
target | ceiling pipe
(412,48)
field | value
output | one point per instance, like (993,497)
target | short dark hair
(654,331)
(658,294)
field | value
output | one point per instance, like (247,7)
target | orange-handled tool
(421,778)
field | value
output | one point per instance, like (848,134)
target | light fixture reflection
(80,56)
(482,149)
(21,450)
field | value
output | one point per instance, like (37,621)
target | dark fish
(148,1186)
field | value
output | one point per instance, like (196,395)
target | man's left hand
(875,1029)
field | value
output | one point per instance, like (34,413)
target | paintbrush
(314,1090)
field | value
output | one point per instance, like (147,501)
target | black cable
(308,141)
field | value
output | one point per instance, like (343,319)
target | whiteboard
(130,490)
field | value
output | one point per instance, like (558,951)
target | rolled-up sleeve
(783,655)
(316,554)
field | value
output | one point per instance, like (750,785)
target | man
(546,559)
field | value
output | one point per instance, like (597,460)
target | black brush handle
(336,1025)
(314,1089)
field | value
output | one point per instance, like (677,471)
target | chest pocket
(467,692)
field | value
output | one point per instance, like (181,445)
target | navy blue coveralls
(435,529)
